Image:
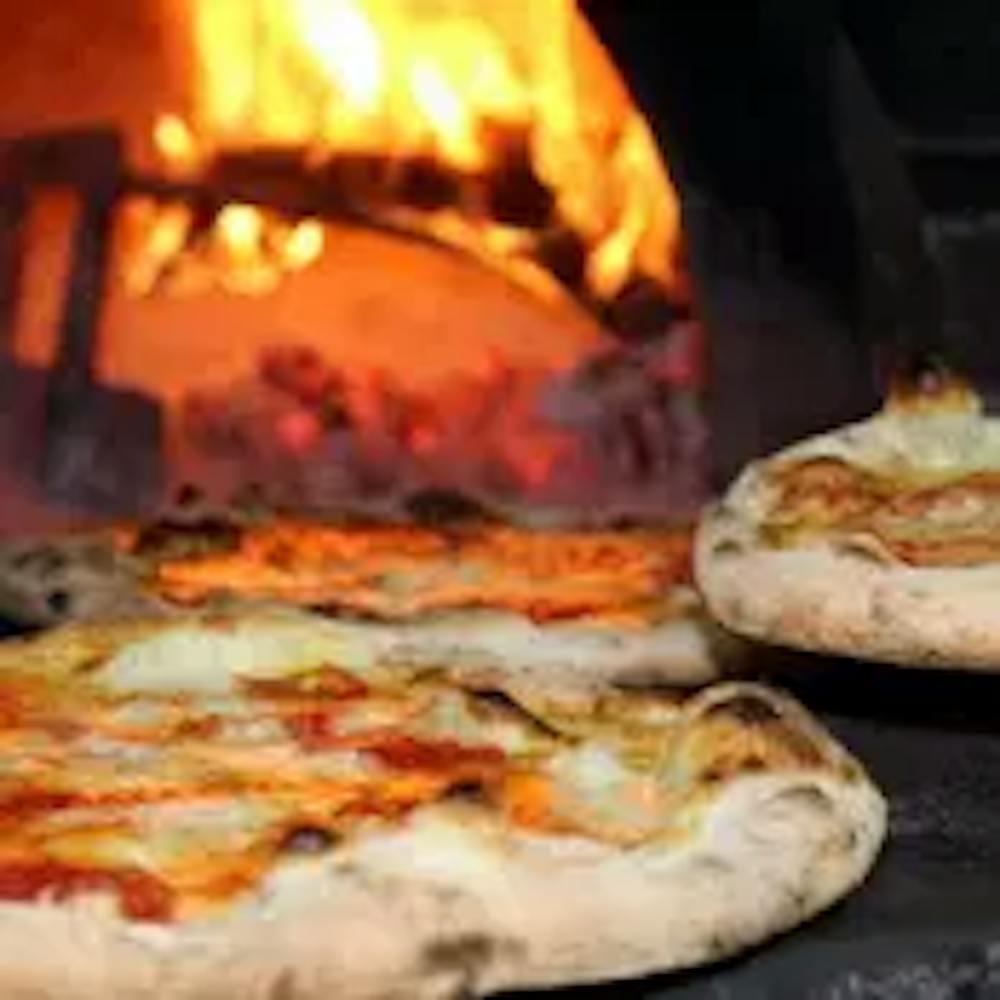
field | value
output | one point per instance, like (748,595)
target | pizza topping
(175,795)
(192,660)
(954,522)
(176,537)
(528,799)
(402,572)
(141,895)
(406,753)
(598,792)
(818,495)
(933,391)
(23,803)
(326,681)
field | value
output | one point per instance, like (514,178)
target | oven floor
(926,926)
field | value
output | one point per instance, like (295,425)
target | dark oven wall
(837,165)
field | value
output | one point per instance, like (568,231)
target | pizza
(880,540)
(609,602)
(257,807)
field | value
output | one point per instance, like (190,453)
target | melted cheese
(919,483)
(211,661)
(951,521)
(400,573)
(174,774)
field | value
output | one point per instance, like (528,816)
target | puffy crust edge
(841,598)
(773,851)
(446,906)
(686,650)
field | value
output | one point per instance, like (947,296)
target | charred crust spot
(188,495)
(444,508)
(806,796)
(168,538)
(284,987)
(799,745)
(496,698)
(42,560)
(90,664)
(860,552)
(925,375)
(848,841)
(501,702)
(800,899)
(305,840)
(717,946)
(929,384)
(470,792)
(747,710)
(849,770)
(727,548)
(347,612)
(59,602)
(732,765)
(466,952)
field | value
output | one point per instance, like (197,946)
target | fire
(177,144)
(485,89)
(345,44)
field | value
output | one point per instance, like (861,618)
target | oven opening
(316,254)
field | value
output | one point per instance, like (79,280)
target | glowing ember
(177,145)
(615,436)
(485,90)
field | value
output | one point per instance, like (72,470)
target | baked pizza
(880,540)
(610,603)
(259,808)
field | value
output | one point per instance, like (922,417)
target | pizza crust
(84,578)
(70,577)
(450,903)
(432,912)
(684,651)
(849,596)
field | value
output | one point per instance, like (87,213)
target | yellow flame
(165,230)
(449,79)
(303,245)
(446,114)
(240,229)
(345,44)
(175,141)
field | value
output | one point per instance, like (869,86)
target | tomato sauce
(140,895)
(408,753)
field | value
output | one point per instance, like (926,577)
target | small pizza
(258,808)
(610,603)
(880,540)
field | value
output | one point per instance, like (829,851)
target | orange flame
(449,80)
